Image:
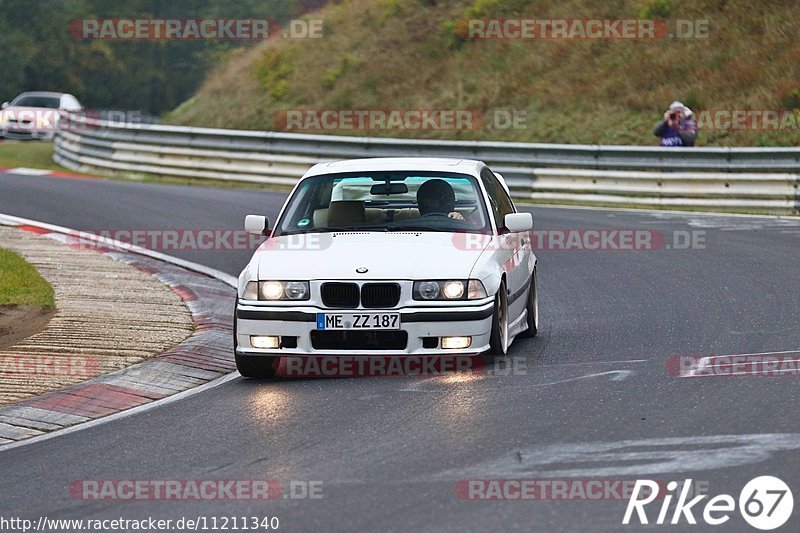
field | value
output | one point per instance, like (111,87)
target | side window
(499,200)
(492,194)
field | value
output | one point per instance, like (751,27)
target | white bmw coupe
(388,256)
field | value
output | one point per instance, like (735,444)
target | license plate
(358,321)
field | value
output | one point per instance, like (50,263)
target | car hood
(390,255)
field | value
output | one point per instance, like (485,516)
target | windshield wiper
(417,228)
(362,228)
(383,229)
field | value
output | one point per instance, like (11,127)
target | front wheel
(498,340)
(532,309)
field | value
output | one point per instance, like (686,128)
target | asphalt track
(591,397)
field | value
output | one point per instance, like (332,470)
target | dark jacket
(685,135)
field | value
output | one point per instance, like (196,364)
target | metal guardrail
(740,179)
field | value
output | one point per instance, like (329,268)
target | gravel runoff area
(109,315)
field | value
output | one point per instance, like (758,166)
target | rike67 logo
(765,503)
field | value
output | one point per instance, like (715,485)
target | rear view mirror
(256,224)
(5,105)
(516,222)
(388,188)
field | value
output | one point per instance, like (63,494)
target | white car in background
(35,115)
(388,256)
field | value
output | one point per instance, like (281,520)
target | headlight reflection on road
(460,403)
(458,378)
(269,405)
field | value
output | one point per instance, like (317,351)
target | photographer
(678,127)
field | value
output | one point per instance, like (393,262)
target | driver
(436,197)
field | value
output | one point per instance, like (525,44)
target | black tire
(253,366)
(499,322)
(532,309)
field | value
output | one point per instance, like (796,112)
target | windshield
(386,201)
(49,102)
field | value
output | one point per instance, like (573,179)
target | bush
(790,97)
(656,9)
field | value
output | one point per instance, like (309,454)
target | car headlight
(296,290)
(277,290)
(426,290)
(452,289)
(271,290)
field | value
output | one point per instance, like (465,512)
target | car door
(514,247)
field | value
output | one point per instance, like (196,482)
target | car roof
(41,93)
(376,164)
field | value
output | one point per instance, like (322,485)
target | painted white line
(700,371)
(617,375)
(749,354)
(702,365)
(25,171)
(595,363)
(704,362)
(737,363)
(773,373)
(122,414)
(634,458)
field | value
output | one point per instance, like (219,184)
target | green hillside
(414,54)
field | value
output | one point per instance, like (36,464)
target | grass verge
(21,284)
(30,154)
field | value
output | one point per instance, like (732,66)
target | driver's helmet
(435,196)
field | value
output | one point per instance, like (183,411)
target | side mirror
(516,222)
(256,224)
(5,105)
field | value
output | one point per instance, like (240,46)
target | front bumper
(23,134)
(420,324)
